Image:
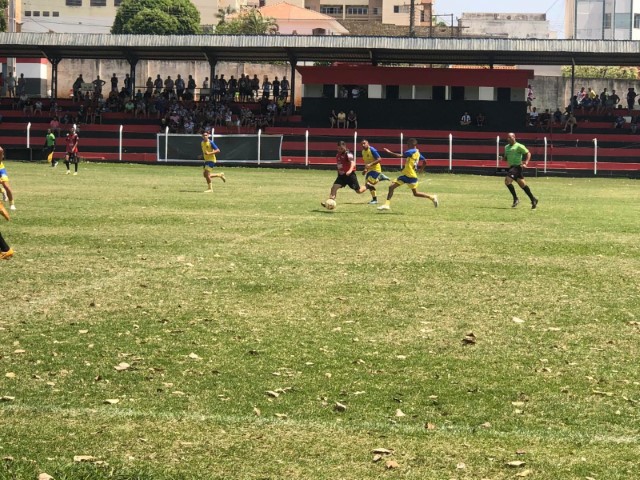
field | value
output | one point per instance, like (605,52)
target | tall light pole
(412,18)
(11,62)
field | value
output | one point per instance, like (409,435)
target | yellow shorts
(410,182)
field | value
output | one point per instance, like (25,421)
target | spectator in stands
(333,118)
(128,84)
(480,120)
(129,106)
(54,126)
(557,116)
(352,119)
(284,87)
(243,87)
(634,124)
(276,87)
(191,88)
(582,94)
(11,85)
(223,87)
(180,86)
(158,84)
(233,88)
(22,85)
(77,87)
(631,98)
(141,108)
(114,83)
(619,122)
(465,120)
(533,117)
(613,100)
(37,108)
(168,86)
(255,86)
(266,88)
(149,90)
(98,83)
(571,123)
(530,97)
(1,84)
(604,99)
(341,119)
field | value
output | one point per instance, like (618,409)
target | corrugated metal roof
(269,48)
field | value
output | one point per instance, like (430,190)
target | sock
(387,202)
(384,177)
(3,245)
(513,191)
(528,192)
(75,166)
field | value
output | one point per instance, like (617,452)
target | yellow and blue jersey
(412,156)
(208,147)
(3,172)
(369,155)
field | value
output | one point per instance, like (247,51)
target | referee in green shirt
(514,153)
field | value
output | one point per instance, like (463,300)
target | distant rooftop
(535,17)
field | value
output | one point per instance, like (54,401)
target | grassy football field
(151,331)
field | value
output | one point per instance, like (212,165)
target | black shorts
(73,157)
(515,172)
(350,181)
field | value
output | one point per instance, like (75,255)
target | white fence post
(306,148)
(545,154)
(450,152)
(259,144)
(595,156)
(29,135)
(120,147)
(355,146)
(401,149)
(498,151)
(166,144)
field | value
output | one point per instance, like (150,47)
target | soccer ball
(330,204)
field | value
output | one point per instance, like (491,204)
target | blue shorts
(208,166)
(410,182)
(3,175)
(372,177)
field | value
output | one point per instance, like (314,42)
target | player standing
(372,169)
(513,153)
(72,151)
(408,175)
(209,150)
(346,165)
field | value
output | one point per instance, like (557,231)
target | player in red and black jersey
(346,165)
(72,151)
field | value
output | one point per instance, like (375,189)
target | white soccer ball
(330,204)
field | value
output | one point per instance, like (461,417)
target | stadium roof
(274,48)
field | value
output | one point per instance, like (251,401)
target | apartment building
(602,19)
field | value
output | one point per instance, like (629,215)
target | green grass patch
(213,300)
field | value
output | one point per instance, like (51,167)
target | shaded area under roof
(273,48)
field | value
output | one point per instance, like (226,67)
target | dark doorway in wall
(392,92)
(457,93)
(439,92)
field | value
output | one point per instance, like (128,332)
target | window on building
(56,14)
(357,10)
(318,31)
(116,3)
(376,11)
(27,13)
(98,3)
(73,3)
(36,13)
(607,20)
(45,14)
(636,21)
(396,9)
(331,9)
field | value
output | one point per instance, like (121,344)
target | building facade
(506,25)
(602,19)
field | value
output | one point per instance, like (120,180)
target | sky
(553,8)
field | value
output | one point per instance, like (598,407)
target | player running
(6,252)
(346,165)
(514,153)
(5,188)
(209,150)
(409,176)
(372,169)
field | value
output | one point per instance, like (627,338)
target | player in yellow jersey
(209,150)
(7,192)
(6,252)
(372,169)
(409,175)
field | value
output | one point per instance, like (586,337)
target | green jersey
(513,154)
(50,139)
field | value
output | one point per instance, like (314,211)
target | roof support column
(293,61)
(54,76)
(213,62)
(133,62)
(573,84)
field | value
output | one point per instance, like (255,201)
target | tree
(157,17)
(585,71)
(3,20)
(223,12)
(248,22)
